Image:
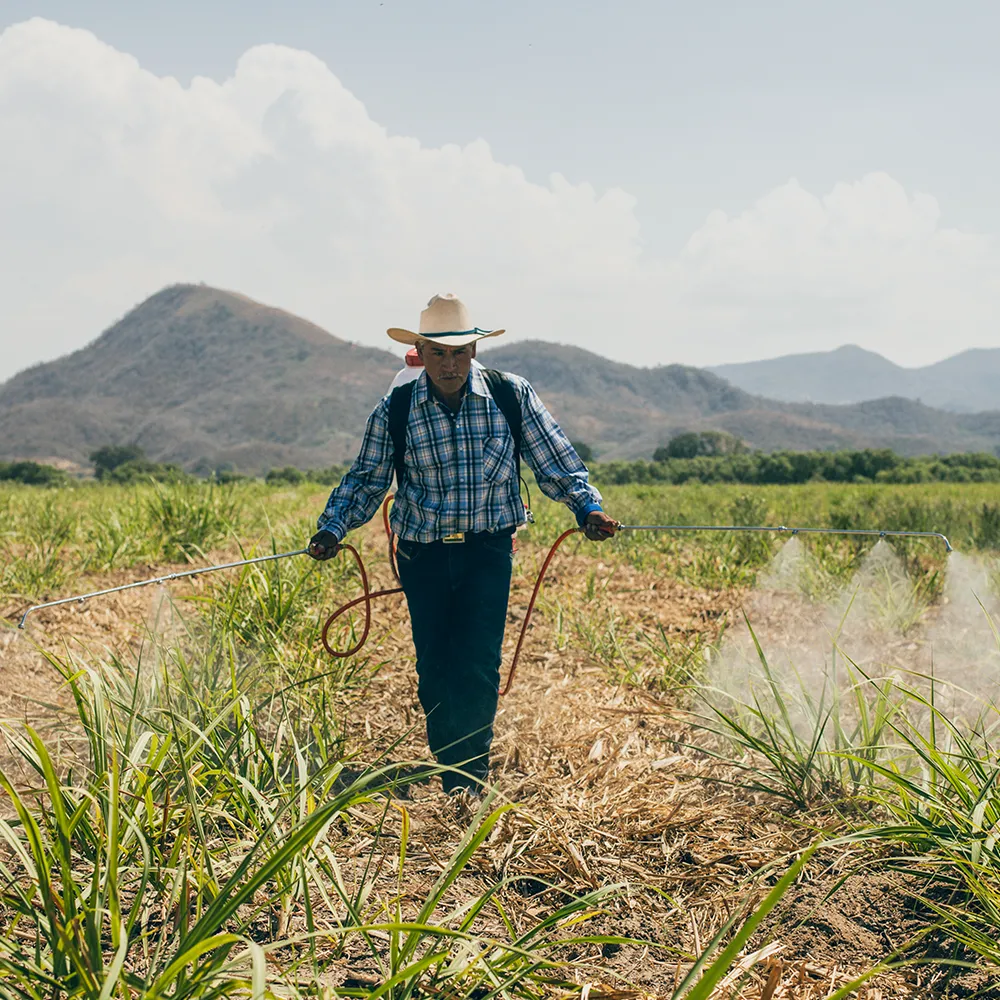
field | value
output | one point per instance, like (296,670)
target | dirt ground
(607,787)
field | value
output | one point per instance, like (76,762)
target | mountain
(964,383)
(209,378)
(627,412)
(847,375)
(200,377)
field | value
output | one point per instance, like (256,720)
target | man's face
(447,367)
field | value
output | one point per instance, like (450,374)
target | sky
(655,181)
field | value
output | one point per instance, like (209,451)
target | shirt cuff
(581,514)
(335,529)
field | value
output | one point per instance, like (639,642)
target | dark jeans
(457,594)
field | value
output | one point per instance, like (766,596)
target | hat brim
(445,339)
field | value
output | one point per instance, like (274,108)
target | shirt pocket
(498,459)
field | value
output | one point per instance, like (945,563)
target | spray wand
(368,595)
(80,598)
(792,531)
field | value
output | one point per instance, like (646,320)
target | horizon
(391,346)
(719,186)
(192,365)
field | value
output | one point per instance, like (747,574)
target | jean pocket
(407,552)
(502,542)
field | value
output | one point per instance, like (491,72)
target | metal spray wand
(80,598)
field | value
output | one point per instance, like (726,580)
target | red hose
(368,596)
(391,538)
(531,603)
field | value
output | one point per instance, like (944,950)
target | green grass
(169,859)
(899,773)
(196,847)
(36,540)
(189,519)
(49,537)
(188,840)
(809,745)
(939,801)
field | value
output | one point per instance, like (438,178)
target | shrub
(126,464)
(680,446)
(226,476)
(289,476)
(327,477)
(32,474)
(111,456)
(695,443)
(292,476)
(141,470)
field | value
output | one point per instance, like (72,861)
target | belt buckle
(454,539)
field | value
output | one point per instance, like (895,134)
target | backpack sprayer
(368,595)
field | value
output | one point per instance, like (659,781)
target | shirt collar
(422,389)
(477,382)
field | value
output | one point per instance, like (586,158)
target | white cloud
(866,263)
(276,183)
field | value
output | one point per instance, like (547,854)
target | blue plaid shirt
(461,474)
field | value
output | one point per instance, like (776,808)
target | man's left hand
(599,526)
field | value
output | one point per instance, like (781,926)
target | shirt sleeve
(353,502)
(561,474)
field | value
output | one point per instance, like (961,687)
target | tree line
(705,457)
(868,465)
(127,464)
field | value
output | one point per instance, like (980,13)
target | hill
(203,378)
(207,378)
(628,412)
(964,383)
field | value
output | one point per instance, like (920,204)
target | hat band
(454,333)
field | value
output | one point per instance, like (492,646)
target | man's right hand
(323,545)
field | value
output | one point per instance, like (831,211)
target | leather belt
(458,537)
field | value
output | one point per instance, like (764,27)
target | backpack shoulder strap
(399,415)
(505,396)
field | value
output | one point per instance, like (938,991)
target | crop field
(730,765)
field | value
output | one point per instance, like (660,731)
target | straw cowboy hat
(444,321)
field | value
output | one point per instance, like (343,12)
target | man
(457,506)
(413,368)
